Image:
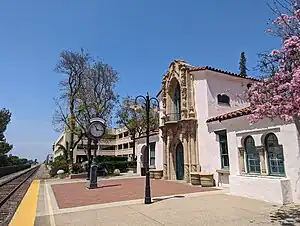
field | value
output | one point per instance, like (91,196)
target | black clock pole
(92,172)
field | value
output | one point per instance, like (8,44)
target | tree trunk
(134,158)
(67,151)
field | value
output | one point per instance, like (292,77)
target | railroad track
(11,193)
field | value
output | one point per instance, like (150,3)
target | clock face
(97,129)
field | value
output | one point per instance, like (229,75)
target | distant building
(116,142)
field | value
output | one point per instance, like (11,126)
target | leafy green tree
(243,67)
(133,118)
(5,117)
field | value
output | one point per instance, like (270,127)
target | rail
(8,188)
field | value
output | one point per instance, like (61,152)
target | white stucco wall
(219,83)
(273,189)
(207,86)
(141,142)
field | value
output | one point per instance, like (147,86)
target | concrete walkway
(205,208)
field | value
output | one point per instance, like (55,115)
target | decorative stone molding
(187,172)
(194,167)
(242,160)
(178,70)
(183,130)
(262,158)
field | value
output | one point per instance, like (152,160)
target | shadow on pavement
(286,215)
(172,197)
(109,185)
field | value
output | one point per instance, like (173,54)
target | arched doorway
(179,162)
(143,160)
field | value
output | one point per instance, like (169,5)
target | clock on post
(96,128)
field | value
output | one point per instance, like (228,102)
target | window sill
(223,171)
(263,176)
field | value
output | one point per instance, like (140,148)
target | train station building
(204,128)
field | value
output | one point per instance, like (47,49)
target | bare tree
(88,90)
(72,66)
(96,97)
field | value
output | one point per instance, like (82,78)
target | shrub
(100,159)
(111,166)
(132,164)
(77,168)
(59,163)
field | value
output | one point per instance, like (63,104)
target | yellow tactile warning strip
(25,214)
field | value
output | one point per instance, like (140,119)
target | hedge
(111,159)
(6,170)
(111,166)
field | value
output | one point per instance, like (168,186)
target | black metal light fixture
(147,102)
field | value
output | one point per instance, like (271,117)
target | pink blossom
(279,95)
(269,31)
(297,14)
(275,52)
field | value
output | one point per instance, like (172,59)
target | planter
(158,174)
(77,176)
(195,179)
(61,176)
(207,179)
(131,170)
(151,174)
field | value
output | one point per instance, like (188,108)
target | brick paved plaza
(196,206)
(76,194)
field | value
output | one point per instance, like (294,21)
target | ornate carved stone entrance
(179,122)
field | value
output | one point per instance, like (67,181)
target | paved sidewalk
(204,208)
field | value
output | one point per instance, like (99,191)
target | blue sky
(138,38)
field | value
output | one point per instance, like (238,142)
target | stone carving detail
(165,171)
(178,70)
(261,151)
(194,168)
(183,130)
(241,160)
(187,172)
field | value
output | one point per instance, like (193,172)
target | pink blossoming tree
(279,94)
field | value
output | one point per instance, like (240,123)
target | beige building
(116,142)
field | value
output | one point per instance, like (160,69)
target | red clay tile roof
(230,115)
(191,69)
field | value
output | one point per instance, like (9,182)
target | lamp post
(147,103)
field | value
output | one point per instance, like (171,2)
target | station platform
(119,201)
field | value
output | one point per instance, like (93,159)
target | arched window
(252,156)
(223,99)
(177,103)
(275,155)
